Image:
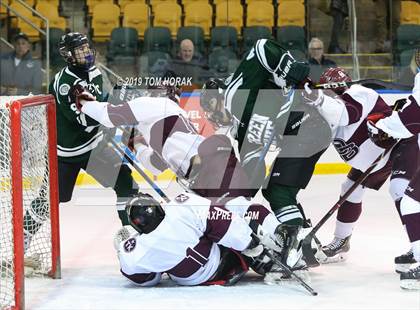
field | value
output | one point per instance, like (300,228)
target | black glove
(377,135)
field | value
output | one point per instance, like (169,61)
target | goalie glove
(78,94)
(377,135)
(123,234)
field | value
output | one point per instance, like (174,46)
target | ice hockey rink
(91,278)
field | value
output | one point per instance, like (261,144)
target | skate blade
(410,284)
(401,268)
(340,257)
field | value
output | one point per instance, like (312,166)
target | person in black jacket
(317,61)
(20,74)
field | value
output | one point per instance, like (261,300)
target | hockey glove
(377,135)
(312,97)
(78,93)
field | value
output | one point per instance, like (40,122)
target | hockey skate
(334,252)
(410,280)
(291,252)
(404,262)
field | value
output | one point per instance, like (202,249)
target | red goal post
(28,163)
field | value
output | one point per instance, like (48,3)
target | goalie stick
(308,254)
(370,83)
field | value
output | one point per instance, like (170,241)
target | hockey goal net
(29,233)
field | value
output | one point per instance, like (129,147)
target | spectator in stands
(317,60)
(188,62)
(385,11)
(338,11)
(20,74)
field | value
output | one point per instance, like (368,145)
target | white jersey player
(405,124)
(347,115)
(171,140)
(163,124)
(191,240)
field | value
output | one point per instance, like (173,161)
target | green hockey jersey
(77,133)
(267,66)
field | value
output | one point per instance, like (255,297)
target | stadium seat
(123,3)
(92,3)
(406,56)
(260,13)
(232,1)
(292,38)
(291,13)
(51,13)
(224,37)
(199,13)
(253,34)
(410,12)
(54,3)
(123,46)
(23,26)
(3,9)
(157,39)
(229,13)
(31,3)
(223,62)
(105,17)
(156,2)
(56,59)
(408,38)
(167,14)
(137,15)
(154,63)
(195,34)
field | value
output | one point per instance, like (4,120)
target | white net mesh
(35,173)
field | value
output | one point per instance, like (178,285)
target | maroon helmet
(335,75)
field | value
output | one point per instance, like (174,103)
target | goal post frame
(16,107)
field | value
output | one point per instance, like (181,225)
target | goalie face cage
(28,185)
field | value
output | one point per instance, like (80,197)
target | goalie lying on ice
(195,242)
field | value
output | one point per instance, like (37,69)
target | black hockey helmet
(212,102)
(144,213)
(214,88)
(68,47)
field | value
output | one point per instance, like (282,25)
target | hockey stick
(286,268)
(139,170)
(308,254)
(371,83)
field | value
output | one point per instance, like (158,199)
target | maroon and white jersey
(163,124)
(406,122)
(185,244)
(347,116)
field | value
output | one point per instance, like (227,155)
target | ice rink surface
(91,278)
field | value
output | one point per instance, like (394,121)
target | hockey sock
(283,202)
(33,219)
(122,214)
(348,214)
(410,210)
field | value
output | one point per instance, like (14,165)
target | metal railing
(353,31)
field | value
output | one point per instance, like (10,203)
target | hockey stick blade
(307,251)
(286,268)
(370,83)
